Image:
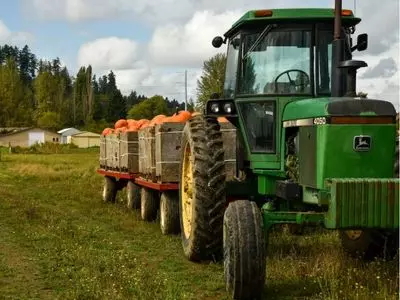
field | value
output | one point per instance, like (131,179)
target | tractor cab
(275,57)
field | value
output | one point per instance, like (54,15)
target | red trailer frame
(139,180)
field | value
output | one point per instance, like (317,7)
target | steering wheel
(293,82)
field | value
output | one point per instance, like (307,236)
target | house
(66,132)
(27,136)
(85,139)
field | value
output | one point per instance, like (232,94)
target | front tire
(202,189)
(244,250)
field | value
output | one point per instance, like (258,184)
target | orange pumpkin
(222,120)
(157,120)
(121,123)
(107,131)
(181,117)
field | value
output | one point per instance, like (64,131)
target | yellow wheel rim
(353,234)
(187,191)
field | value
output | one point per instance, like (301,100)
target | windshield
(231,67)
(278,64)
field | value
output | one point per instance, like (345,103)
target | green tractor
(310,152)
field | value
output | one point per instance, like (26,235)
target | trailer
(146,164)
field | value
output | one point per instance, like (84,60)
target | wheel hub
(187,191)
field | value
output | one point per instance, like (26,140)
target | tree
(49,120)
(212,79)
(149,108)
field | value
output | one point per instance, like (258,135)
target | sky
(149,44)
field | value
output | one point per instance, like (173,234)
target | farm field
(58,240)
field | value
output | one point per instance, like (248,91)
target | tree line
(38,92)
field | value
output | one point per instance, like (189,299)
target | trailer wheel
(133,195)
(244,250)
(169,213)
(202,189)
(148,205)
(368,244)
(109,189)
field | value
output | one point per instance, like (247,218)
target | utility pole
(185,89)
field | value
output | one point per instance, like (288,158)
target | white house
(66,132)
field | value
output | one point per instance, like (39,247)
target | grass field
(59,241)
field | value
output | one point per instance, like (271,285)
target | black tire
(244,250)
(370,244)
(169,213)
(148,205)
(132,195)
(110,189)
(202,141)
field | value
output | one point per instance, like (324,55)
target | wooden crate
(103,153)
(168,137)
(229,139)
(109,151)
(147,161)
(114,153)
(129,152)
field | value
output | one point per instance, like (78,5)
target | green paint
(271,218)
(363,203)
(292,14)
(337,159)
(266,185)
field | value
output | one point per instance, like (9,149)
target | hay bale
(147,162)
(129,152)
(168,137)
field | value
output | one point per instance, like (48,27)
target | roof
(295,14)
(12,131)
(66,129)
(86,134)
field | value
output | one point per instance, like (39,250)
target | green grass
(58,240)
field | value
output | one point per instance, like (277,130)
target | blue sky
(149,43)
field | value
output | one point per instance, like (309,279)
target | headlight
(215,108)
(228,108)
(320,121)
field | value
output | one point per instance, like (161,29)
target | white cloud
(189,45)
(14,37)
(182,39)
(109,53)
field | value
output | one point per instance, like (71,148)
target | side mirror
(217,41)
(362,42)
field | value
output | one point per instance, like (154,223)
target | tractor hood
(322,107)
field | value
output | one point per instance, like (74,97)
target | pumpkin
(181,117)
(107,131)
(222,120)
(120,130)
(157,120)
(121,123)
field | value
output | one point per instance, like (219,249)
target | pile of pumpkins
(131,125)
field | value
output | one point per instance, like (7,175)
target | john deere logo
(362,143)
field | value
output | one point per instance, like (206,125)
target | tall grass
(59,241)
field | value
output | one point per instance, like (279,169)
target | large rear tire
(369,243)
(202,189)
(110,189)
(244,250)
